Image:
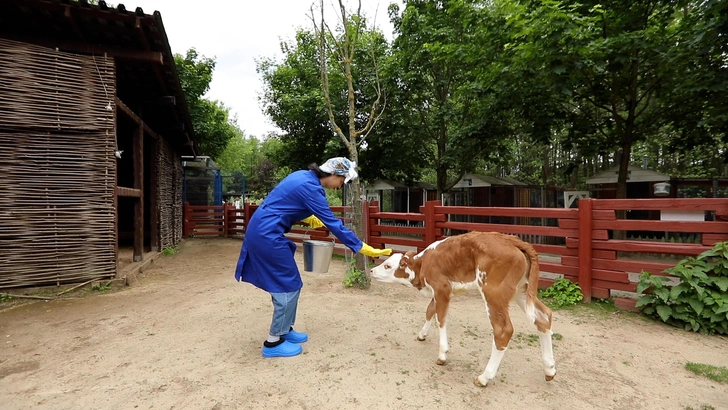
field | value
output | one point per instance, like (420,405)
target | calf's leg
(540,315)
(428,322)
(502,333)
(442,301)
(543,324)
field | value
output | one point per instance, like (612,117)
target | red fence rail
(578,244)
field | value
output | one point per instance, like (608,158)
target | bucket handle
(333,240)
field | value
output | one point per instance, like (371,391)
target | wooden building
(485,190)
(398,197)
(640,183)
(93,124)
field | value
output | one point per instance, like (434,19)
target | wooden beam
(128,192)
(153,192)
(139,185)
(73,24)
(132,116)
(153,57)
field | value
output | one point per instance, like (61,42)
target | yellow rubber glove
(313,222)
(374,253)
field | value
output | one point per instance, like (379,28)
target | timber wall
(57,170)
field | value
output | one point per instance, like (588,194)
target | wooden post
(139,202)
(366,222)
(373,207)
(153,192)
(225,219)
(585,247)
(246,216)
(186,225)
(430,231)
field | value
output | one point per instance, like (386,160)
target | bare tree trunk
(344,48)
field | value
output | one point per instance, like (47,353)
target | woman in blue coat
(267,256)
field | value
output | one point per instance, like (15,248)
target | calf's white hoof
(478,383)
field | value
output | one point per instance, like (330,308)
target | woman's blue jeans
(284,312)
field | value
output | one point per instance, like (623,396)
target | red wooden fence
(577,244)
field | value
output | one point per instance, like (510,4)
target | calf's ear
(404,261)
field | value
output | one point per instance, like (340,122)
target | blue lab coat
(266,258)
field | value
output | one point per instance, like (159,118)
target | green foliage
(448,61)
(211,120)
(561,294)
(715,373)
(4,297)
(546,92)
(354,277)
(101,287)
(169,251)
(699,302)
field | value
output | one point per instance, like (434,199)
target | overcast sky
(236,33)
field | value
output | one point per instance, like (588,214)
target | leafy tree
(211,119)
(447,58)
(698,96)
(607,62)
(293,100)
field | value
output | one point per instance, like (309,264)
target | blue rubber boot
(295,337)
(285,349)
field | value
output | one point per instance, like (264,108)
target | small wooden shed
(640,182)
(93,123)
(399,197)
(486,190)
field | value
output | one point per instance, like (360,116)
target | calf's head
(396,269)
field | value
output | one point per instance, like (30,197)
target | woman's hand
(374,253)
(313,222)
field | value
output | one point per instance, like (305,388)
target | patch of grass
(557,336)
(6,298)
(703,407)
(715,373)
(529,339)
(101,287)
(597,307)
(169,251)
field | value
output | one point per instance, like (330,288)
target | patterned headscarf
(340,166)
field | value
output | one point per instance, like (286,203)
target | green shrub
(561,294)
(169,251)
(355,277)
(699,302)
(101,287)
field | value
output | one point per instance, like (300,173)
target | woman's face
(333,181)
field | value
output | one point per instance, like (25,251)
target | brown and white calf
(501,267)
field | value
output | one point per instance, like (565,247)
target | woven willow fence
(57,139)
(169,196)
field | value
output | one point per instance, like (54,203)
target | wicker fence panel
(46,90)
(57,170)
(169,198)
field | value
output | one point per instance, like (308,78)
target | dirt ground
(187,336)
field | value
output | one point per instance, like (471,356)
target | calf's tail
(542,312)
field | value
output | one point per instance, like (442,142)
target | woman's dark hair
(315,168)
